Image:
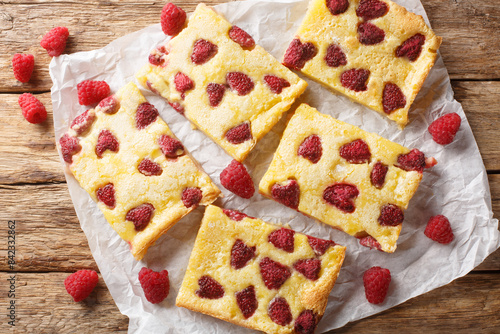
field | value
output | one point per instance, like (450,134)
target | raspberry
(80,284)
(378,174)
(275,83)
(33,110)
(145,115)
(177,107)
(279,311)
(106,141)
(234,214)
(83,122)
(391,215)
(90,92)
(412,47)
(239,82)
(69,146)
(392,98)
(273,273)
(283,238)
(341,196)
(241,37)
(191,196)
(356,152)
(151,88)
(172,19)
(444,129)
(203,51)
(241,254)
(335,57)
(439,229)
(23,65)
(370,242)
(355,79)
(376,281)
(247,301)
(156,59)
(306,322)
(149,168)
(209,288)
(156,285)
(215,93)
(320,246)
(55,41)
(171,147)
(337,7)
(370,34)
(412,161)
(287,194)
(236,179)
(239,134)
(298,54)
(106,195)
(140,215)
(311,149)
(371,9)
(310,268)
(183,83)
(109,105)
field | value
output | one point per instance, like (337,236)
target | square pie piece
(258,275)
(373,51)
(348,178)
(125,156)
(228,87)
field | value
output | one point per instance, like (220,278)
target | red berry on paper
(444,129)
(376,281)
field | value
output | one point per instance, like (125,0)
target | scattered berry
(109,105)
(145,115)
(209,288)
(239,134)
(140,216)
(371,9)
(33,110)
(55,41)
(241,254)
(80,284)
(298,54)
(171,147)
(412,47)
(183,83)
(391,215)
(279,311)
(241,37)
(392,98)
(106,195)
(23,65)
(444,129)
(335,57)
(149,168)
(310,268)
(306,322)
(191,196)
(320,246)
(355,79)
(69,146)
(370,242)
(283,238)
(356,152)
(239,82)
(273,273)
(287,194)
(247,301)
(203,51)
(370,34)
(236,179)
(341,196)
(90,92)
(106,141)
(378,173)
(439,229)
(376,281)
(337,7)
(234,214)
(311,149)
(83,122)
(275,83)
(172,19)
(215,93)
(412,161)
(156,285)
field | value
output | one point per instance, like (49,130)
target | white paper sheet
(457,187)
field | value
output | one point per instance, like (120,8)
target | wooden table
(49,241)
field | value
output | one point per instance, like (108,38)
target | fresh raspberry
(145,115)
(298,54)
(109,105)
(275,83)
(311,149)
(209,288)
(171,147)
(55,41)
(444,129)
(412,47)
(33,110)
(306,322)
(439,229)
(215,93)
(342,196)
(273,273)
(391,215)
(235,215)
(335,57)
(80,284)
(376,281)
(156,285)
(371,9)
(177,107)
(83,122)
(23,65)
(149,168)
(239,82)
(355,79)
(378,173)
(337,7)
(287,194)
(172,19)
(279,311)
(69,146)
(320,246)
(191,196)
(241,254)
(236,179)
(247,301)
(106,195)
(203,51)
(183,83)
(310,268)
(370,34)
(356,152)
(412,161)
(241,37)
(106,141)
(239,134)
(283,238)
(392,98)
(141,216)
(370,242)
(90,92)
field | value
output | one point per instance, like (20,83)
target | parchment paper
(457,187)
